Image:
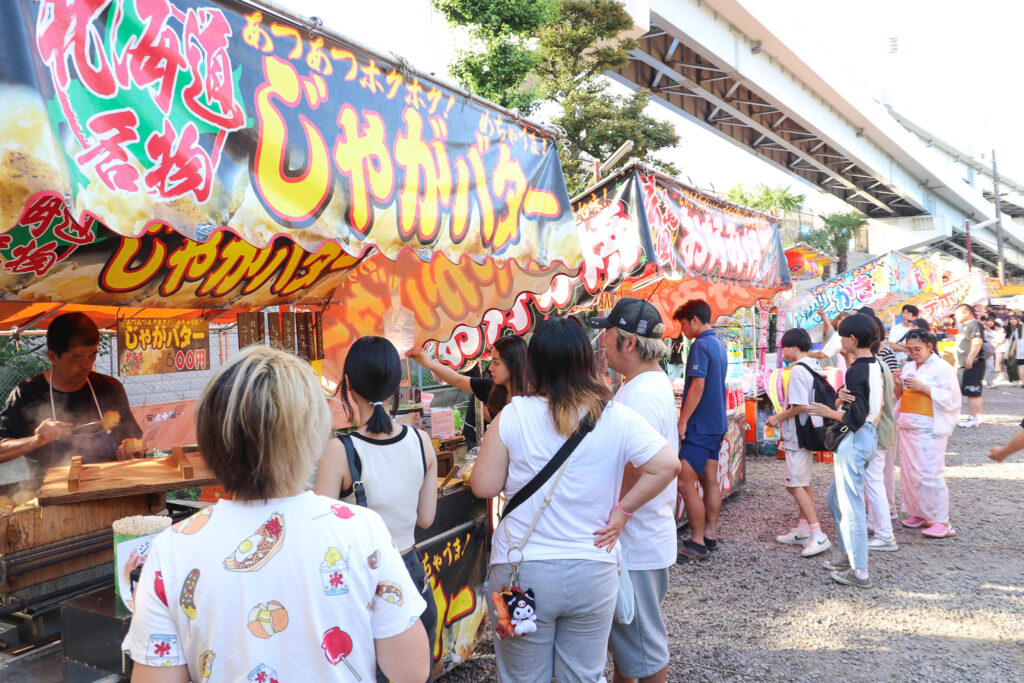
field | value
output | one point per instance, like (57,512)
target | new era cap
(631,315)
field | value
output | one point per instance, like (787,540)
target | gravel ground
(941,610)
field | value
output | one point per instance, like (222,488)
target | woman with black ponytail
(395,465)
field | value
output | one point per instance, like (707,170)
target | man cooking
(60,413)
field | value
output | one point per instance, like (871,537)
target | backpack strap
(355,469)
(809,369)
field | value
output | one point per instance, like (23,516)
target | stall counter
(454,551)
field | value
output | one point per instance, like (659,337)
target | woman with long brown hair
(508,376)
(558,543)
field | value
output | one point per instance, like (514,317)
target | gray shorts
(640,649)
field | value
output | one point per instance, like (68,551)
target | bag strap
(809,369)
(539,479)
(355,469)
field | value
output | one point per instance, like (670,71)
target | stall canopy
(805,262)
(879,283)
(186,154)
(648,236)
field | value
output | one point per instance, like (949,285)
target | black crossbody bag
(541,478)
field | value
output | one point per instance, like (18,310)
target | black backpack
(809,437)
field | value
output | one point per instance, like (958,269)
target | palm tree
(840,228)
(778,200)
(774,200)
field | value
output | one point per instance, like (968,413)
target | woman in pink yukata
(927,412)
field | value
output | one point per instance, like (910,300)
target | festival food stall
(648,236)
(230,164)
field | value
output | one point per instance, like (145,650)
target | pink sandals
(914,522)
(938,530)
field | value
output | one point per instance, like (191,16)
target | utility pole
(999,222)
(970,254)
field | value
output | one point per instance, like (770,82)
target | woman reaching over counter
(396,465)
(508,375)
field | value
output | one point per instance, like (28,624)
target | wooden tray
(78,482)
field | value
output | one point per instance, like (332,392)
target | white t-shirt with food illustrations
(292,589)
(799,392)
(649,537)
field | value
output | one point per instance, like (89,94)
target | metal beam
(705,67)
(722,104)
(962,249)
(755,104)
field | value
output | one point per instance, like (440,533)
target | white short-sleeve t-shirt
(799,392)
(649,536)
(587,491)
(292,589)
(896,335)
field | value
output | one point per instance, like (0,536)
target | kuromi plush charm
(522,609)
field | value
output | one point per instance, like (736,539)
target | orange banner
(165,425)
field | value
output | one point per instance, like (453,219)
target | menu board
(154,346)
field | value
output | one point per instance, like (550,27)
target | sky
(955,71)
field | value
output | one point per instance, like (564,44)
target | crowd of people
(590,481)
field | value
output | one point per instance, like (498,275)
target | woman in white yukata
(928,411)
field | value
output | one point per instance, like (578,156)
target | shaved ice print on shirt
(332,572)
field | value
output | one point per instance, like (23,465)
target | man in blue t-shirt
(702,426)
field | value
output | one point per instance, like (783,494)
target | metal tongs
(94,427)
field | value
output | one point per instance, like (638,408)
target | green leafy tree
(834,238)
(557,51)
(774,200)
(19,360)
(738,194)
(503,30)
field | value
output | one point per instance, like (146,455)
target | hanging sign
(204,115)
(878,283)
(154,346)
(667,241)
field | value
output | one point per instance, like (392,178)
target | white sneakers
(879,543)
(811,544)
(968,421)
(796,536)
(815,546)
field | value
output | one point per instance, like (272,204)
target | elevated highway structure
(752,78)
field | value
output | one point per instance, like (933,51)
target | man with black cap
(633,347)
(702,426)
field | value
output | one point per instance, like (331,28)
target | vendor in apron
(51,417)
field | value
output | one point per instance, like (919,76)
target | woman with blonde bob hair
(274,583)
(576,516)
